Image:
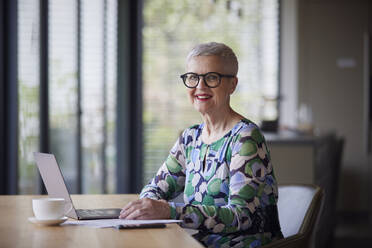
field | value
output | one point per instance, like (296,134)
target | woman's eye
(193,78)
(211,78)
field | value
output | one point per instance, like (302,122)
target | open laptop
(56,187)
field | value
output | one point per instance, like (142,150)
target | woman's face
(208,100)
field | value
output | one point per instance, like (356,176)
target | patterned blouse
(229,188)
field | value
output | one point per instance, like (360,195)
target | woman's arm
(170,178)
(252,187)
(167,184)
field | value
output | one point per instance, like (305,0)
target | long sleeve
(170,178)
(251,188)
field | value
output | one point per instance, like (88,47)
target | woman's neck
(217,124)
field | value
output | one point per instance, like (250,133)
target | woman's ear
(234,83)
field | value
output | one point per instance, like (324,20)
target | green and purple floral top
(229,188)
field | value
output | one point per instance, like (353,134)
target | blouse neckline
(233,130)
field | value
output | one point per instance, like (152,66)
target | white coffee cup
(50,208)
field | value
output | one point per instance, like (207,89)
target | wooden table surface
(17,231)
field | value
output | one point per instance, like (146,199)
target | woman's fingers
(136,214)
(129,205)
(144,217)
(146,209)
(132,206)
(127,212)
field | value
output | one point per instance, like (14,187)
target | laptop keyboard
(114,212)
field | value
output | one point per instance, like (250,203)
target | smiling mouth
(203,97)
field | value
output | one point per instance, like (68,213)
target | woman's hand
(146,209)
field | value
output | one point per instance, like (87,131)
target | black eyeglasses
(211,79)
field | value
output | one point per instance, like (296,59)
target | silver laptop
(56,187)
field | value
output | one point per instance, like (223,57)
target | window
(98,78)
(82,68)
(63,83)
(82,72)
(171,29)
(28,91)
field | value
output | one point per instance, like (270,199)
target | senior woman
(221,166)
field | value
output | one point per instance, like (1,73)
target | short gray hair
(217,49)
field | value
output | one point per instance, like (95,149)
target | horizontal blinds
(28,94)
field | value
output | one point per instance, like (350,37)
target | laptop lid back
(53,178)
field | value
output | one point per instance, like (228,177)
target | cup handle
(71,206)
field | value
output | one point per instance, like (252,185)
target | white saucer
(51,222)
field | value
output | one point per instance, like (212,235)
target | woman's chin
(203,110)
(207,108)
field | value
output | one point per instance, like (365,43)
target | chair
(327,167)
(299,207)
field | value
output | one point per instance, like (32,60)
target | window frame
(129,137)
(9,98)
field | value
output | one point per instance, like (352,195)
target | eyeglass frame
(183,76)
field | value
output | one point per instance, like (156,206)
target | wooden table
(17,231)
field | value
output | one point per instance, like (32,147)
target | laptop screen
(52,176)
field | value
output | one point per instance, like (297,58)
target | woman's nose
(201,83)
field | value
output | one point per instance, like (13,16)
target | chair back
(327,168)
(299,206)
